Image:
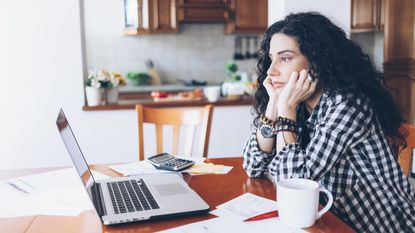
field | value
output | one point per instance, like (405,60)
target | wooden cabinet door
(247,16)
(365,15)
(153,16)
(381,11)
(163,16)
(202,2)
(202,11)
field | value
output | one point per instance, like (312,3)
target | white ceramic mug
(212,93)
(298,201)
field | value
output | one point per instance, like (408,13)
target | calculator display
(161,158)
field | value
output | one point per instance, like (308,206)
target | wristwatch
(267,131)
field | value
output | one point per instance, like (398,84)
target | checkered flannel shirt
(349,155)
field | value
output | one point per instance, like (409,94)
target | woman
(323,114)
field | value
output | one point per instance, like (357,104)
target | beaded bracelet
(266,121)
(285,124)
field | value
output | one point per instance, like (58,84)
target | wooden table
(214,189)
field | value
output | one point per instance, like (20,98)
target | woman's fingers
(293,79)
(268,86)
(302,82)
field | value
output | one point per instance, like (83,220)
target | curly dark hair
(338,62)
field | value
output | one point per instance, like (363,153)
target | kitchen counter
(150,88)
(129,102)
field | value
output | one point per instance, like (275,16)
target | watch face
(267,131)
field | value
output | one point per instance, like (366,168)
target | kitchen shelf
(150,88)
(128,103)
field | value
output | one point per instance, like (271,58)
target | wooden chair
(189,117)
(405,155)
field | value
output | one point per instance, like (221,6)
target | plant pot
(93,96)
(112,95)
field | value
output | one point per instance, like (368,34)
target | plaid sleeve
(255,160)
(343,126)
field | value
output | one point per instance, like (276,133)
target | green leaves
(138,78)
(231,67)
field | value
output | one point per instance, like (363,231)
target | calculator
(166,161)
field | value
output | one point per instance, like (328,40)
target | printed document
(231,215)
(57,192)
(245,206)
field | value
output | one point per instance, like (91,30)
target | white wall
(339,11)
(40,60)
(41,70)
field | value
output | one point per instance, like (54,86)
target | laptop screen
(74,150)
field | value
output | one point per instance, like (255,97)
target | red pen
(271,214)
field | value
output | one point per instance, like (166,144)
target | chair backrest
(405,155)
(189,117)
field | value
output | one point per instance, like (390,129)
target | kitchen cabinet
(247,16)
(202,11)
(399,55)
(150,17)
(367,15)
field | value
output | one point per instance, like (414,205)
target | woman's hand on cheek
(298,89)
(272,93)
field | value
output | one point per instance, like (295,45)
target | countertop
(130,103)
(129,96)
(150,88)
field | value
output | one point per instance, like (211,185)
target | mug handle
(328,205)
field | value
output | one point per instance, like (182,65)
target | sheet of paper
(245,206)
(27,185)
(144,167)
(220,225)
(69,201)
(57,192)
(226,169)
(231,215)
(99,176)
(137,168)
(208,168)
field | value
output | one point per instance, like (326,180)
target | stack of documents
(57,192)
(231,216)
(144,167)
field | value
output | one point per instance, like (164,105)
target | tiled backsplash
(198,51)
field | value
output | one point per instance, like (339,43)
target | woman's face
(286,58)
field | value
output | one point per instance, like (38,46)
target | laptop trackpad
(171,189)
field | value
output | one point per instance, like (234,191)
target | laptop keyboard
(131,196)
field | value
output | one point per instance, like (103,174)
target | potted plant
(112,92)
(95,84)
(231,69)
(233,88)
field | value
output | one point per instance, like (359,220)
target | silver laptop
(134,198)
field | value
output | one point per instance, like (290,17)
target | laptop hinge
(98,200)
